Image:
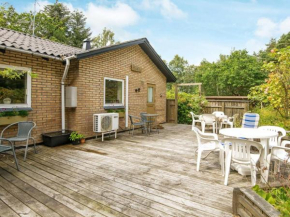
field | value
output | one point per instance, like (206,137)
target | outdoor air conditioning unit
(106,123)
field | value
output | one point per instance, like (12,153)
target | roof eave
(146,47)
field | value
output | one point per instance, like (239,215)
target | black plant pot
(76,142)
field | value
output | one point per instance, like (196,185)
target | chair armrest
(279,148)
(212,135)
(135,117)
(3,139)
(284,143)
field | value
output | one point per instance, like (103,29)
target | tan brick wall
(88,75)
(115,64)
(45,90)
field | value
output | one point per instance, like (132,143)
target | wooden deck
(130,176)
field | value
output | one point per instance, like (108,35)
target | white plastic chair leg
(213,128)
(222,161)
(199,152)
(203,126)
(253,175)
(228,166)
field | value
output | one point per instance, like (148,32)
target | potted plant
(82,138)
(74,138)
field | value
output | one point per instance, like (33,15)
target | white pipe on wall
(127,101)
(67,65)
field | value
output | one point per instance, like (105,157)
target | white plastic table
(254,133)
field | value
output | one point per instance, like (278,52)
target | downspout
(67,65)
(127,102)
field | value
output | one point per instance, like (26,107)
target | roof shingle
(14,39)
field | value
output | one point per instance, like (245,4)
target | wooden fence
(230,105)
(170,111)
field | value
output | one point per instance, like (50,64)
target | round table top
(151,115)
(248,133)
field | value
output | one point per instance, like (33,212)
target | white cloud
(115,18)
(167,8)
(39,5)
(254,45)
(267,28)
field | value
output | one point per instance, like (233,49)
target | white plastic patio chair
(279,154)
(195,119)
(208,142)
(229,121)
(275,141)
(23,134)
(239,157)
(250,120)
(219,115)
(208,119)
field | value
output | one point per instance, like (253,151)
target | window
(114,92)
(150,95)
(15,92)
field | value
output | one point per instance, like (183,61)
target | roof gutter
(30,52)
(67,65)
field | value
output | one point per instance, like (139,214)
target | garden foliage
(188,103)
(278,197)
(276,90)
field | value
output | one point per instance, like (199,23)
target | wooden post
(223,107)
(176,103)
(199,89)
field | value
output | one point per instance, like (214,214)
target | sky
(193,29)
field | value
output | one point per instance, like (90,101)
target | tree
(77,29)
(284,41)
(183,71)
(10,19)
(232,75)
(55,23)
(106,38)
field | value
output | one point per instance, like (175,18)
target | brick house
(103,77)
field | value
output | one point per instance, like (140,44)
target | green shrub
(278,197)
(270,117)
(187,103)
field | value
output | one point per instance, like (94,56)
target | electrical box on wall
(71,97)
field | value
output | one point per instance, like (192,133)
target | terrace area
(131,176)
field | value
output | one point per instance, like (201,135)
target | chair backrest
(241,149)
(250,120)
(25,128)
(281,133)
(208,118)
(218,114)
(143,117)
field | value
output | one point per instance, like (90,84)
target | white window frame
(28,87)
(113,104)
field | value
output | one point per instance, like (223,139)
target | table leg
(263,161)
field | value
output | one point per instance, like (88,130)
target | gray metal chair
(140,123)
(4,148)
(23,134)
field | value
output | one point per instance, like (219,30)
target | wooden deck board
(132,176)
